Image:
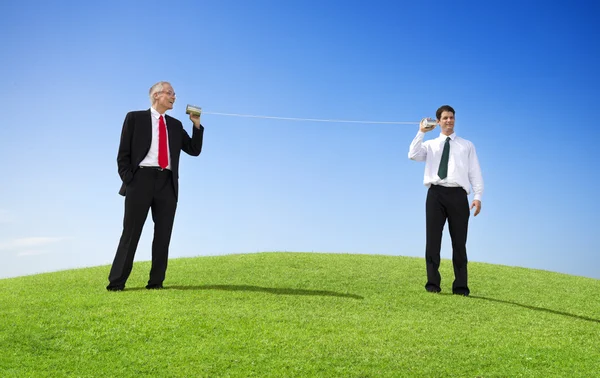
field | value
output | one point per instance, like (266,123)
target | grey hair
(158,87)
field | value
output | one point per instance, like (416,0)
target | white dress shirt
(463,165)
(151,160)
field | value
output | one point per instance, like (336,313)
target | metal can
(192,109)
(429,123)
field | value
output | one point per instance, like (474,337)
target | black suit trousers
(150,189)
(450,204)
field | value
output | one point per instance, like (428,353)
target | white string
(312,119)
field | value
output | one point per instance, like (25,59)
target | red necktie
(163,154)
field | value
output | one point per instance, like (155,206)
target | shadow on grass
(537,308)
(270,290)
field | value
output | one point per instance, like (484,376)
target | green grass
(300,314)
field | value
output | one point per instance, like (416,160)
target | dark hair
(444,108)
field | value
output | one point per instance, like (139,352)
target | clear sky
(522,75)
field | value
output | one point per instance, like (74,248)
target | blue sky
(522,76)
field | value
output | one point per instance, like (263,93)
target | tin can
(195,110)
(429,123)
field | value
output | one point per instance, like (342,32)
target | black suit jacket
(136,138)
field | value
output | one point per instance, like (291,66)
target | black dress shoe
(115,288)
(464,294)
(154,286)
(433,289)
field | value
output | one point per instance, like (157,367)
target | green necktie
(443,170)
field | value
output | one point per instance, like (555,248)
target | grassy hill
(300,314)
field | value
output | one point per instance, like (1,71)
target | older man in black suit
(148,163)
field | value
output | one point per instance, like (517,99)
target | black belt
(152,167)
(447,188)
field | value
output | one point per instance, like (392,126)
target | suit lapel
(147,126)
(172,134)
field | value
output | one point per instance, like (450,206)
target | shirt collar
(444,136)
(155,113)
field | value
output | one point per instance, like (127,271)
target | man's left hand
(195,120)
(477,205)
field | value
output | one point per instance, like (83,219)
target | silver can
(429,123)
(192,109)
